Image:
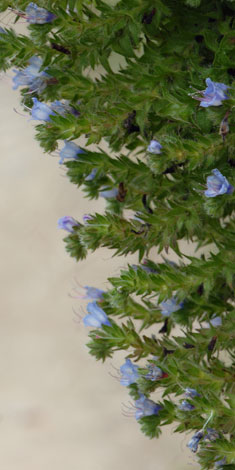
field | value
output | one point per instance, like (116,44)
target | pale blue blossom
(169,306)
(154,147)
(217,185)
(68,223)
(129,372)
(146,407)
(96,316)
(69,151)
(38,15)
(214,94)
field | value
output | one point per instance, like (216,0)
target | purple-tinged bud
(86,218)
(68,223)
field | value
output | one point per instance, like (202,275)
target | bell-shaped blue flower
(191,393)
(155,373)
(129,372)
(215,321)
(109,194)
(186,406)
(41,111)
(146,407)
(68,223)
(93,293)
(69,151)
(86,218)
(194,441)
(169,306)
(211,435)
(96,316)
(31,76)
(217,185)
(38,15)
(219,464)
(214,94)
(154,147)
(91,175)
(63,108)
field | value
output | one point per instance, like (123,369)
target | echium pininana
(169,160)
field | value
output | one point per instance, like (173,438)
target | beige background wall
(59,409)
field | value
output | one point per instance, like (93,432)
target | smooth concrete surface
(59,408)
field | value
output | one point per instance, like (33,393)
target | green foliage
(167,49)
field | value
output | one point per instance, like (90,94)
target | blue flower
(191,393)
(194,441)
(68,223)
(63,108)
(41,111)
(154,373)
(110,193)
(70,150)
(216,321)
(37,15)
(146,407)
(129,373)
(220,463)
(186,406)
(91,175)
(31,76)
(96,316)
(154,147)
(86,217)
(93,293)
(144,268)
(214,94)
(217,185)
(211,435)
(170,306)
(2,31)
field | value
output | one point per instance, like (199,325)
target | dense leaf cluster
(168,49)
